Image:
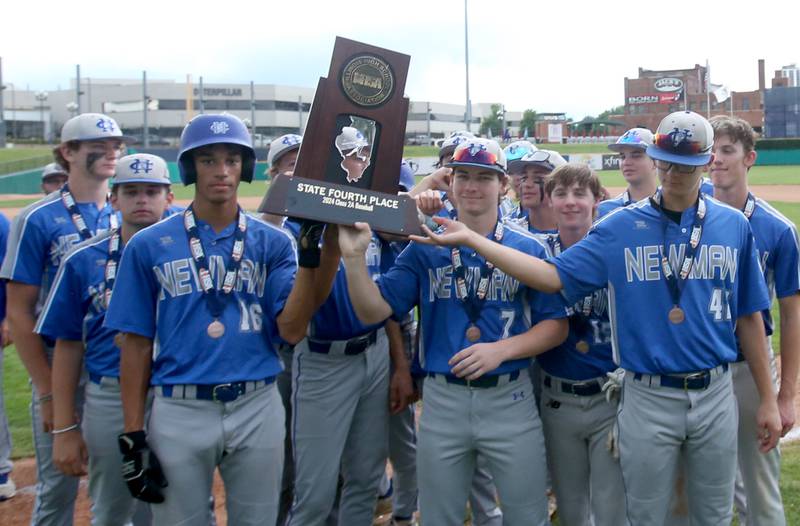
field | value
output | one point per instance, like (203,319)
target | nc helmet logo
(631,136)
(140,165)
(106,125)
(291,140)
(220,127)
(475,149)
(679,137)
(513,149)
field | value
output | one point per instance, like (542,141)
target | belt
(347,347)
(696,381)
(215,392)
(99,379)
(585,388)
(481,383)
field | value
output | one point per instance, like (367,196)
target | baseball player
(73,316)
(476,401)
(514,152)
(400,492)
(637,168)
(53,177)
(534,167)
(40,236)
(686,267)
(281,157)
(7,487)
(576,417)
(200,299)
(340,390)
(759,501)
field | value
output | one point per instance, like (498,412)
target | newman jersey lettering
(779,255)
(622,251)
(75,308)
(623,199)
(158,295)
(423,275)
(567,360)
(42,234)
(336,319)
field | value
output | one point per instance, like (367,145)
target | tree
(493,122)
(619,110)
(528,122)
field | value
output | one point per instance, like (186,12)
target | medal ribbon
(674,282)
(473,304)
(77,217)
(580,312)
(215,298)
(749,206)
(626,198)
(112,263)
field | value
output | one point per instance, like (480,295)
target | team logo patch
(476,148)
(165,241)
(220,127)
(367,80)
(680,137)
(640,225)
(106,125)
(140,165)
(291,140)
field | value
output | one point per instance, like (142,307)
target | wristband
(64,430)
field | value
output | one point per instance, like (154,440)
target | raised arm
(530,270)
(368,303)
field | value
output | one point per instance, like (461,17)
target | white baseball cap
(683,137)
(281,145)
(92,127)
(141,168)
(53,169)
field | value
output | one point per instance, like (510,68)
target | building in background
(654,94)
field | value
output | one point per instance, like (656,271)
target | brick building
(654,94)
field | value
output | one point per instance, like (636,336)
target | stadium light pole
(41,96)
(2,109)
(253,110)
(78,87)
(145,127)
(468,113)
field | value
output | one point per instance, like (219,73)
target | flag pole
(708,90)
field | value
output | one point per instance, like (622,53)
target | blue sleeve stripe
(14,240)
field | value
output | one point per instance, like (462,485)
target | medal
(215,329)
(676,279)
(473,303)
(114,255)
(473,333)
(676,315)
(216,298)
(582,346)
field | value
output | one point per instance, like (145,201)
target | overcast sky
(567,55)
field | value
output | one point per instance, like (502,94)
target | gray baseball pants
(243,438)
(587,479)
(500,423)
(340,407)
(654,422)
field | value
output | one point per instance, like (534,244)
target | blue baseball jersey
(172,210)
(336,319)
(622,252)
(42,234)
(423,276)
(574,362)
(157,295)
(778,252)
(75,308)
(4,227)
(609,205)
(623,199)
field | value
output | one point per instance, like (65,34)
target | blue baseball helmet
(215,129)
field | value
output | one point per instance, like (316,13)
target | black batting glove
(141,468)
(308,249)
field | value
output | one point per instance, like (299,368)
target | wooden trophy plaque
(348,166)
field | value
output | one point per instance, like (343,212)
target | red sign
(669,98)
